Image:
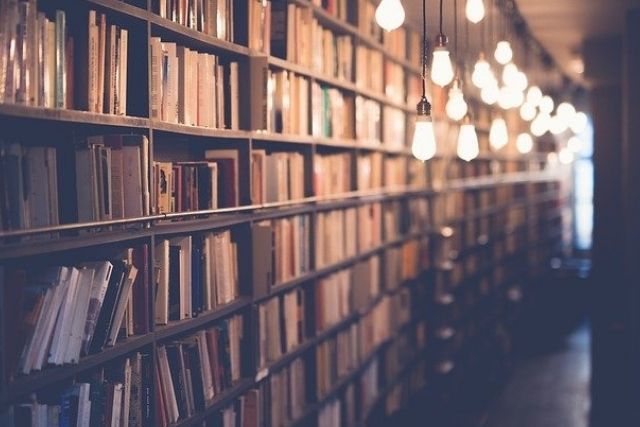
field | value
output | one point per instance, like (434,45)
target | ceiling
(560,26)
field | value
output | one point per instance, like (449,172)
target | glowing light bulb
(390,14)
(557,125)
(503,52)
(574,144)
(498,134)
(546,104)
(534,95)
(475,10)
(527,111)
(567,111)
(565,156)
(520,81)
(540,125)
(423,146)
(509,74)
(579,122)
(524,143)
(490,93)
(481,75)
(504,98)
(456,106)
(441,68)
(468,148)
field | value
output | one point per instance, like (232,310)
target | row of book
(195,274)
(246,411)
(44,66)
(368,117)
(193,88)
(118,395)
(331,174)
(394,82)
(107,175)
(191,372)
(276,176)
(369,69)
(332,113)
(212,17)
(333,299)
(201,185)
(335,358)
(287,394)
(334,53)
(64,312)
(394,129)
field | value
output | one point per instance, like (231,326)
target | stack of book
(287,391)
(291,27)
(369,226)
(368,117)
(369,69)
(65,312)
(276,176)
(332,174)
(191,372)
(116,396)
(212,17)
(332,113)
(192,88)
(43,67)
(334,236)
(288,103)
(195,274)
(288,311)
(198,185)
(335,53)
(335,358)
(333,296)
(370,171)
(112,177)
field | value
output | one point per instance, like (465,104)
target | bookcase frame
(24,245)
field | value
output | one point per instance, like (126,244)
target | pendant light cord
(441,17)
(424,48)
(455,29)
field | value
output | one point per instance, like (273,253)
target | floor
(547,389)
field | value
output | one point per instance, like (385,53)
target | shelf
(121,8)
(24,385)
(71,116)
(181,130)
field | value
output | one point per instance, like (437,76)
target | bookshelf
(399,214)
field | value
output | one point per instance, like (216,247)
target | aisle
(548,389)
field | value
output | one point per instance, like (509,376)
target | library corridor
(319,213)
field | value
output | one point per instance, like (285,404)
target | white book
(84,405)
(31,348)
(168,390)
(132,181)
(101,277)
(162,291)
(156,78)
(124,54)
(64,321)
(116,409)
(85,281)
(126,394)
(207,379)
(185,275)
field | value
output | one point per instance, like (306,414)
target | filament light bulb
(566,111)
(510,74)
(579,122)
(534,95)
(390,14)
(441,67)
(524,143)
(503,52)
(423,146)
(468,148)
(481,75)
(498,134)
(540,125)
(557,125)
(527,111)
(475,10)
(490,93)
(546,104)
(456,107)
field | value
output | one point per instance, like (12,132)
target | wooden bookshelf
(537,234)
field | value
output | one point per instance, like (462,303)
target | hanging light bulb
(423,146)
(503,52)
(504,98)
(481,75)
(527,111)
(490,92)
(468,148)
(546,104)
(516,97)
(390,14)
(574,144)
(498,134)
(566,112)
(534,95)
(565,156)
(441,67)
(557,125)
(456,106)
(521,81)
(475,10)
(540,125)
(579,122)
(509,74)
(524,143)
